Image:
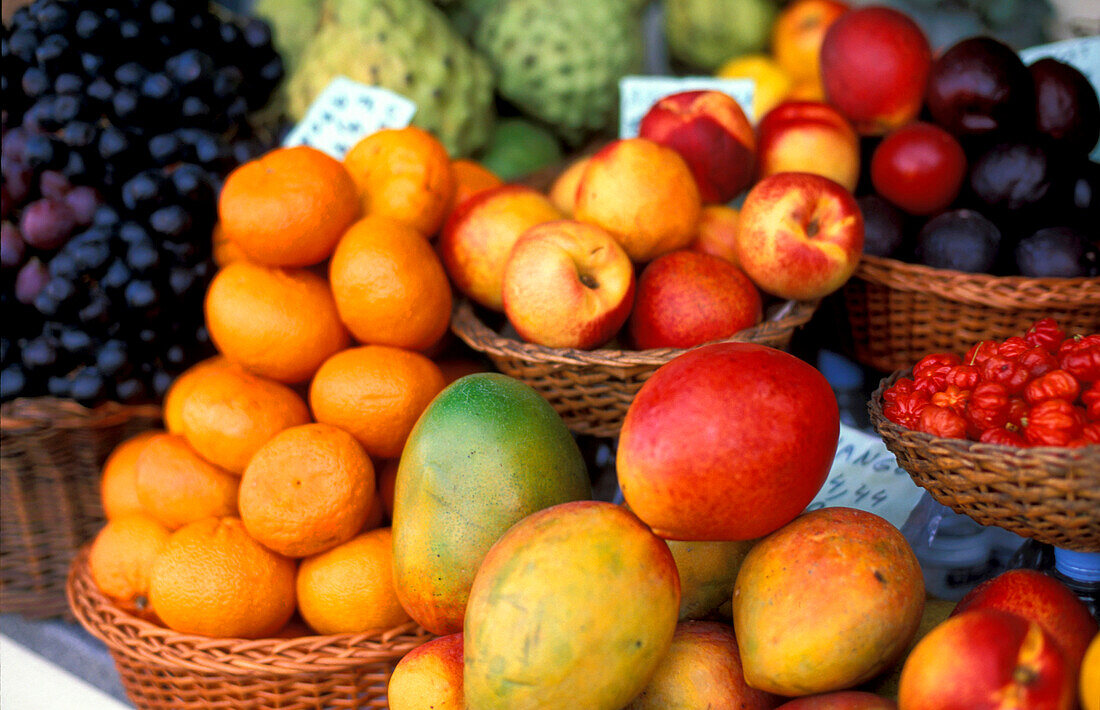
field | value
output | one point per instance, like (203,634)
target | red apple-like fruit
(717,231)
(687,298)
(875,62)
(801,235)
(841,700)
(728,441)
(480,233)
(808,137)
(986,659)
(711,133)
(919,167)
(702,669)
(1040,598)
(568,284)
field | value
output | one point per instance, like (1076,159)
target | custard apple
(560,62)
(703,34)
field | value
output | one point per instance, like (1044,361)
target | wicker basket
(51,452)
(899,312)
(164,670)
(1048,493)
(592,389)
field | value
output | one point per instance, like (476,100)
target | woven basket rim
(977,288)
(466,324)
(136,638)
(28,413)
(887,428)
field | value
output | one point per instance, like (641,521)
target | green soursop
(703,34)
(293,24)
(408,47)
(560,62)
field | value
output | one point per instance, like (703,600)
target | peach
(702,669)
(563,191)
(711,133)
(727,441)
(643,193)
(797,35)
(826,602)
(1040,598)
(875,63)
(568,284)
(808,137)
(841,700)
(801,235)
(717,231)
(986,659)
(686,298)
(480,233)
(429,676)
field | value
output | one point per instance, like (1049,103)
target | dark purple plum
(1010,177)
(1062,252)
(883,226)
(961,240)
(980,87)
(1066,106)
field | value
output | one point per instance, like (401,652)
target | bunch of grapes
(120,119)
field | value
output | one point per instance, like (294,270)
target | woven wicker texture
(164,670)
(592,389)
(51,453)
(1048,493)
(900,312)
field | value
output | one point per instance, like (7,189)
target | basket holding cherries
(1041,388)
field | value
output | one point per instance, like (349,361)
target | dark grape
(89,24)
(113,143)
(133,233)
(36,82)
(22,44)
(111,358)
(117,275)
(66,108)
(165,149)
(39,151)
(142,258)
(97,309)
(52,52)
(143,191)
(189,66)
(161,382)
(60,292)
(105,216)
(68,83)
(92,257)
(52,17)
(84,203)
(92,64)
(131,391)
(257,34)
(59,387)
(75,341)
(100,90)
(38,354)
(88,386)
(63,265)
(171,222)
(140,295)
(226,82)
(12,382)
(77,134)
(125,104)
(53,185)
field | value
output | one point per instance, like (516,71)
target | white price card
(866,475)
(637,94)
(1083,53)
(345,112)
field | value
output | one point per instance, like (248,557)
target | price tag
(638,93)
(1082,53)
(345,112)
(866,475)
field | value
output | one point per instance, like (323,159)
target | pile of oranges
(264,503)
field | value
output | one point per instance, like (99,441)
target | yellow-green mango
(572,608)
(487,451)
(707,573)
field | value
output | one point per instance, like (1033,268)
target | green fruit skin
(574,607)
(708,571)
(705,33)
(486,452)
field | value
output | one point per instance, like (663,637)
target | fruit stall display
(356,488)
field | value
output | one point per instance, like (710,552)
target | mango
(707,573)
(486,452)
(826,602)
(573,607)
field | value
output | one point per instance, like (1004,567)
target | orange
(288,207)
(229,414)
(224,250)
(118,481)
(376,393)
(213,579)
(797,35)
(390,286)
(176,486)
(279,323)
(181,388)
(471,177)
(350,589)
(404,174)
(307,490)
(121,559)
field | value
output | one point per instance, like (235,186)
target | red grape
(12,248)
(30,280)
(53,185)
(47,224)
(83,201)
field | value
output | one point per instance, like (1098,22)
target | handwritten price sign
(347,111)
(866,475)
